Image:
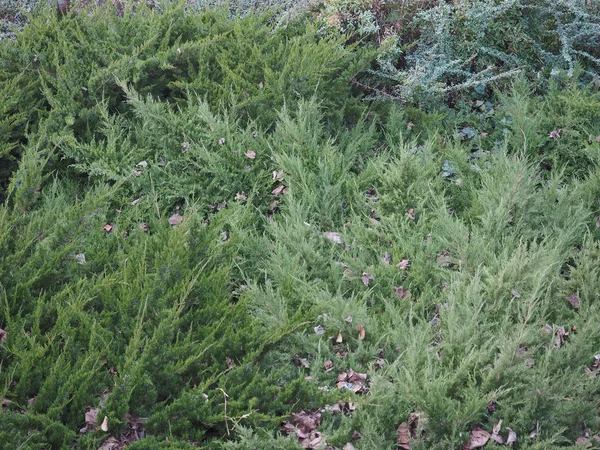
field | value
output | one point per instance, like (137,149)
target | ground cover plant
(214,237)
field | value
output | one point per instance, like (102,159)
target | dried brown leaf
(583,442)
(361,332)
(3,335)
(561,336)
(319,329)
(477,439)
(5,403)
(515,293)
(400,292)
(339,338)
(175,219)
(108,227)
(91,416)
(240,196)
(403,265)
(573,299)
(250,154)
(334,237)
(512,437)
(278,190)
(111,443)
(328,365)
(104,426)
(386,258)
(365,277)
(496,433)
(403,439)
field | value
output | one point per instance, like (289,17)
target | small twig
(225,409)
(355,82)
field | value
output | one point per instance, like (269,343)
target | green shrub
(60,69)
(460,46)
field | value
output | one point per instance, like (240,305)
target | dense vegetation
(327,226)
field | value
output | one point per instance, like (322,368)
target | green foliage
(193,243)
(460,46)
(60,69)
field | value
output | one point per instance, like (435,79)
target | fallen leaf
(278,190)
(287,428)
(144,226)
(319,329)
(533,434)
(142,164)
(561,336)
(512,437)
(80,258)
(348,446)
(573,299)
(400,292)
(411,213)
(185,146)
(515,293)
(104,426)
(175,219)
(250,154)
(334,237)
(307,422)
(590,369)
(403,439)
(386,258)
(361,332)
(137,173)
(365,277)
(90,417)
(555,134)
(403,265)
(111,443)
(108,227)
(240,196)
(477,439)
(496,428)
(491,406)
(136,201)
(278,175)
(339,338)
(221,141)
(5,404)
(444,260)
(300,362)
(229,362)
(352,381)
(583,442)
(496,433)
(328,365)
(348,319)
(356,435)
